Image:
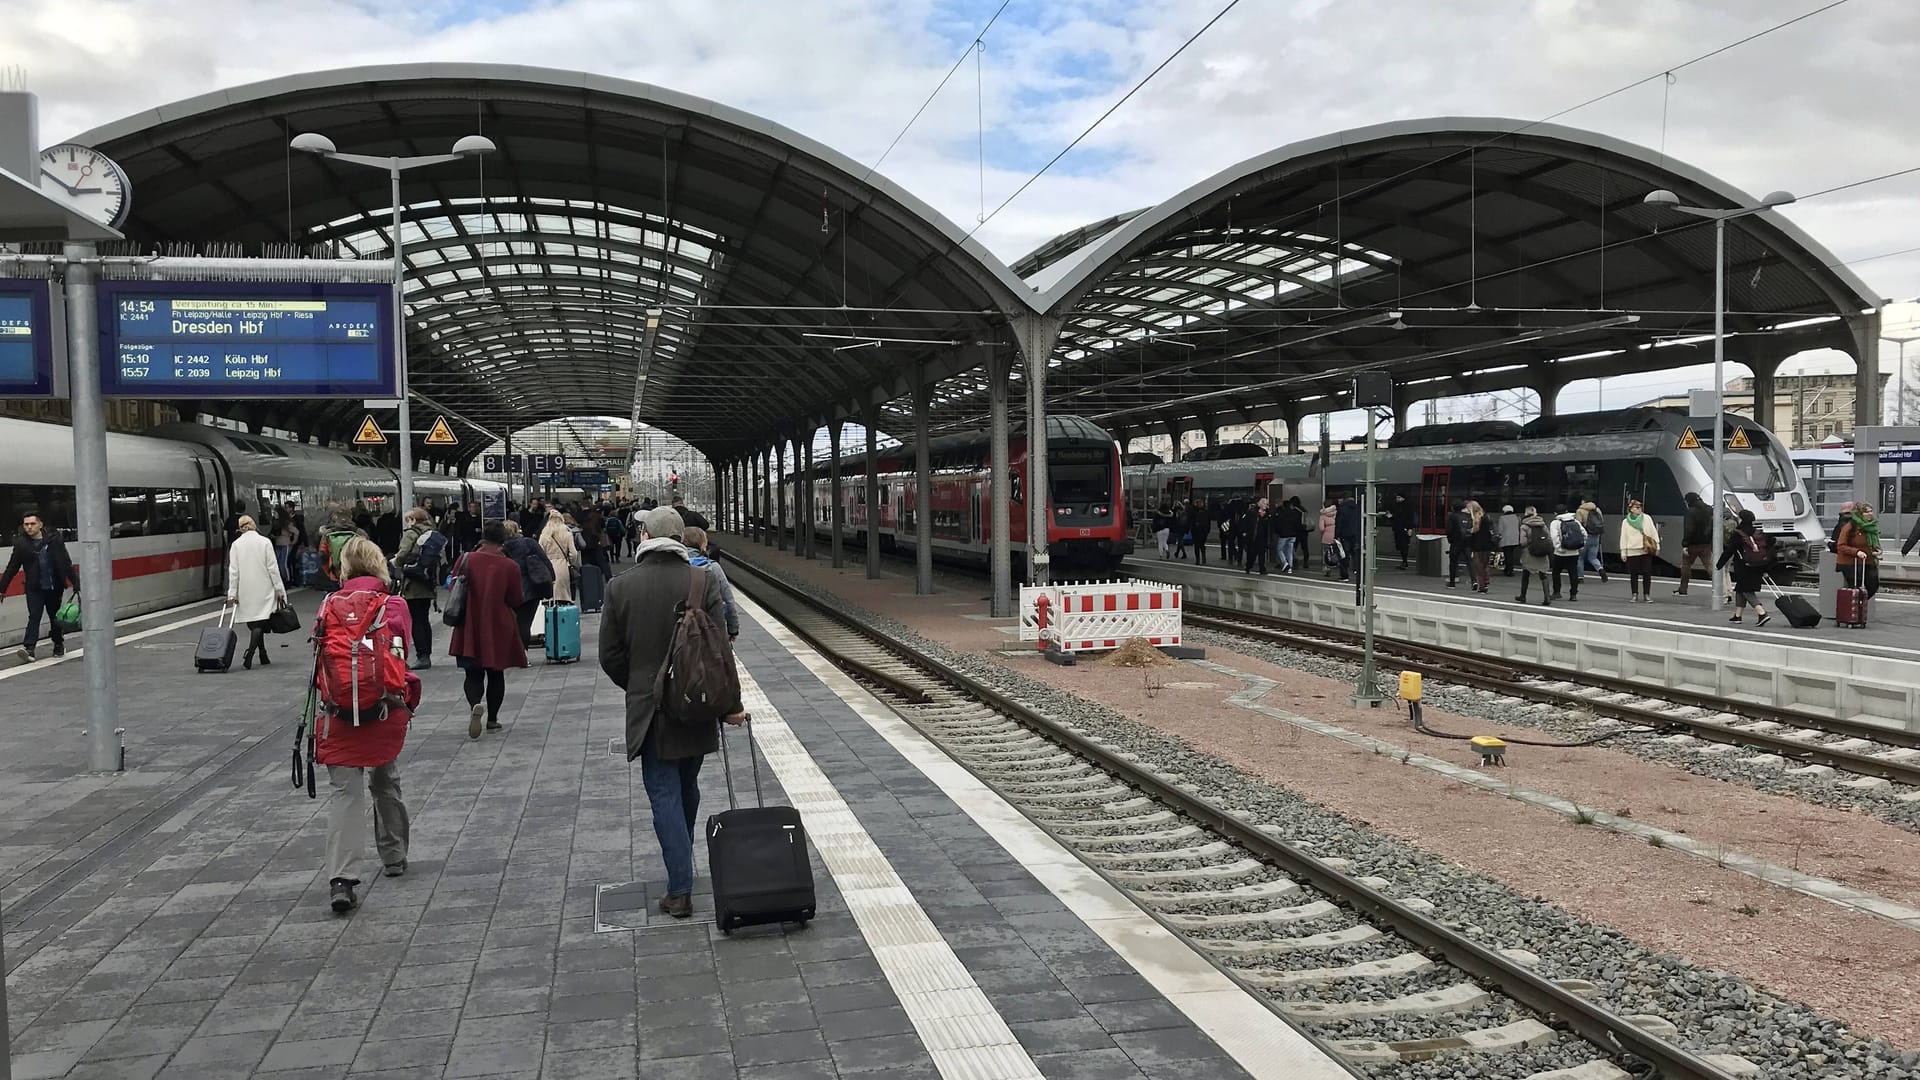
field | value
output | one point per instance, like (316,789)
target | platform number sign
(499,463)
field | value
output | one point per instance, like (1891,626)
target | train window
(129,512)
(175,510)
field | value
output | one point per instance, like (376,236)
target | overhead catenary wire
(961,59)
(1111,109)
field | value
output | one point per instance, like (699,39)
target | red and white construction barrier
(1089,618)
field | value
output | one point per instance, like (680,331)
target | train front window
(1081,485)
(1755,472)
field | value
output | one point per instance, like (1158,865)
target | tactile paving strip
(963,1033)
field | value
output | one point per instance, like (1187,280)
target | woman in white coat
(254,586)
(556,540)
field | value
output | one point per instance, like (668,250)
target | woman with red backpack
(1750,554)
(365,699)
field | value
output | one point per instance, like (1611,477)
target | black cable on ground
(1420,726)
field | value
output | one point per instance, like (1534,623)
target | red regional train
(1089,534)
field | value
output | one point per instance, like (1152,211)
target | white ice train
(170,494)
(1610,456)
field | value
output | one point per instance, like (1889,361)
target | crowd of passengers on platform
(505,570)
(1553,548)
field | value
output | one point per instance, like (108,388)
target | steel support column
(1037,335)
(92,513)
(870,416)
(1867,410)
(922,483)
(999,365)
(780,497)
(836,514)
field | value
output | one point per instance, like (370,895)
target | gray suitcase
(214,652)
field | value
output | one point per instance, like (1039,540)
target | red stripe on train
(134,566)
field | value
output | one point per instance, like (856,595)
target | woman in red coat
(363,756)
(487,642)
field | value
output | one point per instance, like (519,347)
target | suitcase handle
(726,764)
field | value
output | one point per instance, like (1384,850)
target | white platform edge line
(78,654)
(1262,1043)
(933,985)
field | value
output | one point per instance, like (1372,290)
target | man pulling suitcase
(662,640)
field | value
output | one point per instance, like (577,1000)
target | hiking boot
(476,716)
(678,905)
(341,898)
(396,869)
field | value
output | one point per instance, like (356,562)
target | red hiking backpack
(360,663)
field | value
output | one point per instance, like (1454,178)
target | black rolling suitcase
(1797,610)
(758,857)
(217,642)
(593,589)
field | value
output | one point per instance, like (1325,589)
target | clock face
(89,179)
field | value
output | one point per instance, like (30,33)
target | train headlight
(1799,505)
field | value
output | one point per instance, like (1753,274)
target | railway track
(1337,953)
(1875,753)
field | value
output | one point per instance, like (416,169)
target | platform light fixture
(1661,197)
(467,146)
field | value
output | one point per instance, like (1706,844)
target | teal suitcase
(563,633)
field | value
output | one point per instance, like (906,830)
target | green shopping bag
(67,617)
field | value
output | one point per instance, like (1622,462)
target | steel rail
(1598,1025)
(1452,664)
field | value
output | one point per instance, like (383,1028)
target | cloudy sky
(1822,103)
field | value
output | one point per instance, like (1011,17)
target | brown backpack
(698,685)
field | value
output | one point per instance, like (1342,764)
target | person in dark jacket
(525,551)
(636,633)
(1751,555)
(1696,539)
(1347,529)
(1913,537)
(693,518)
(488,642)
(419,592)
(1293,522)
(1483,539)
(41,557)
(1402,527)
(1256,536)
(466,534)
(1199,524)
(1459,532)
(1182,518)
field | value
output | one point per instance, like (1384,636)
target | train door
(1637,489)
(213,566)
(1263,488)
(1436,482)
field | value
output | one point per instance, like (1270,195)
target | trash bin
(1429,556)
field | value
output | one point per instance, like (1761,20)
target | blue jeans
(1284,549)
(1590,554)
(280,552)
(673,791)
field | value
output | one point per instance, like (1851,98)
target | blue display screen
(246,339)
(26,340)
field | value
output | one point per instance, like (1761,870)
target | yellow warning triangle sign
(369,433)
(440,434)
(1688,440)
(1739,440)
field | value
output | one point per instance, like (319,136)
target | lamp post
(1668,199)
(468,146)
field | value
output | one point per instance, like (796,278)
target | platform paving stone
(178,927)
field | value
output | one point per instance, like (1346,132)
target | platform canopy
(1515,254)
(776,262)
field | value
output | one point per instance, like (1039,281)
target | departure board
(166,339)
(26,340)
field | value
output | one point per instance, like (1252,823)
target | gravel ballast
(1716,1012)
